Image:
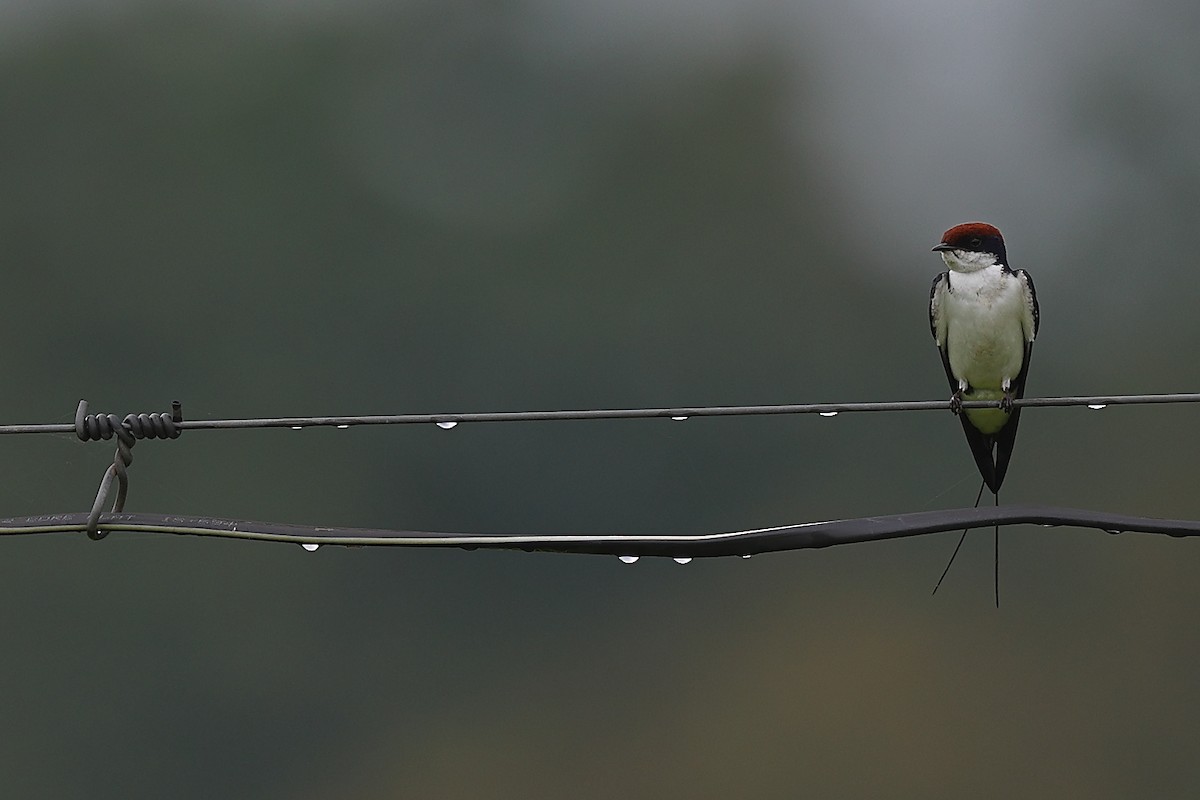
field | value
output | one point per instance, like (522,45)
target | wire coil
(130,428)
(94,427)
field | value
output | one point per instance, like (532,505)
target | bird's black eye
(976,242)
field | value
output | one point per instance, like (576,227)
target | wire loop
(94,427)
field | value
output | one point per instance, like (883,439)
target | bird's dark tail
(983,447)
(961,539)
(993,451)
(996,555)
(1005,438)
(995,545)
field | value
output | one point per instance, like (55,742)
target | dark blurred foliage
(403,208)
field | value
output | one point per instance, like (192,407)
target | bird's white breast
(985,338)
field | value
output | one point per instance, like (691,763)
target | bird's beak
(943,247)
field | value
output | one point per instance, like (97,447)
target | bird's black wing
(1035,317)
(935,305)
(1007,436)
(937,325)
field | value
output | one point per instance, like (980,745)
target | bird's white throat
(967,260)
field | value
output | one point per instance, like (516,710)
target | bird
(984,318)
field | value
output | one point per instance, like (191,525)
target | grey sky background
(308,208)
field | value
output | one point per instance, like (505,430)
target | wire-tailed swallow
(984,317)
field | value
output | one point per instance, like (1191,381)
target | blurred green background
(362,207)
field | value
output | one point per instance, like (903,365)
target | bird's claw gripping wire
(93,427)
(956,401)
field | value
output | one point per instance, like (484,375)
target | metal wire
(450,419)
(789,537)
(683,546)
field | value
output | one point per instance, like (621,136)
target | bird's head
(972,246)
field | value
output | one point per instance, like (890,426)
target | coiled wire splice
(93,427)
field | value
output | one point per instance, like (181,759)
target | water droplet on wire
(746,555)
(828,413)
(310,546)
(297,427)
(628,559)
(679,419)
(446,424)
(682,560)
(1096,406)
(342,427)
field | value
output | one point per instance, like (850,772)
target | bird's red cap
(960,236)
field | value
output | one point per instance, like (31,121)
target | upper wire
(679,412)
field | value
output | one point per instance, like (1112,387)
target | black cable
(736,543)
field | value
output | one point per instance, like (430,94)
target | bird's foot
(1006,403)
(956,402)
